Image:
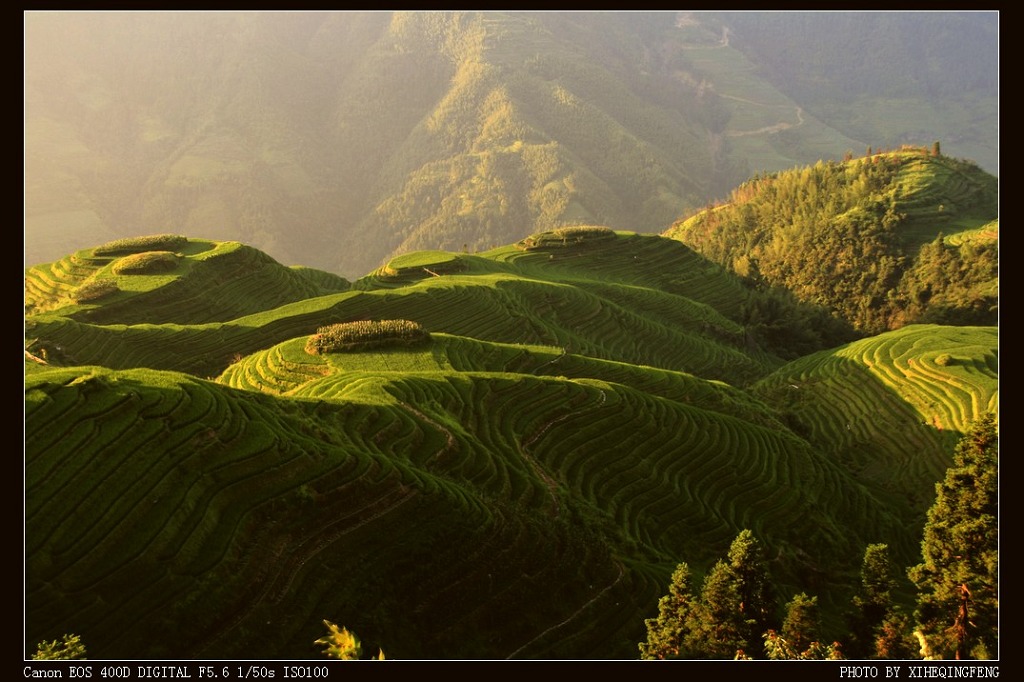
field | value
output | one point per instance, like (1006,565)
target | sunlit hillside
(494,455)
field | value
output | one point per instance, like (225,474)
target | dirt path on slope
(575,614)
(767,130)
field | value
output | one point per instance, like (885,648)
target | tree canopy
(667,632)
(736,605)
(957,580)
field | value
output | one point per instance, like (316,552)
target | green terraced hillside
(890,408)
(205,282)
(287,368)
(680,310)
(481,514)
(583,410)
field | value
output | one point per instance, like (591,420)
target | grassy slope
(890,408)
(578,296)
(521,487)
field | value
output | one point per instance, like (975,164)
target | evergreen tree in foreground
(802,625)
(667,632)
(749,565)
(957,581)
(717,627)
(894,638)
(873,603)
(800,638)
(735,608)
(879,628)
(737,602)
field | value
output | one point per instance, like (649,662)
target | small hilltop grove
(366,334)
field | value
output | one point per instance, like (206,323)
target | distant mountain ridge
(393,132)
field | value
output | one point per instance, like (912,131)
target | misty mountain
(340,139)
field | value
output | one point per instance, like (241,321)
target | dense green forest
(858,238)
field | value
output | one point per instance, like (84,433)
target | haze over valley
(337,140)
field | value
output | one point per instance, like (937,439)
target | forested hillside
(881,241)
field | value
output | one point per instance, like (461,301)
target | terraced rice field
(891,407)
(941,192)
(163,481)
(520,485)
(564,308)
(214,283)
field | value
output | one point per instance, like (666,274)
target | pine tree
(666,633)
(777,648)
(877,580)
(734,609)
(800,638)
(881,629)
(957,581)
(802,625)
(894,638)
(873,601)
(757,602)
(736,605)
(717,627)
